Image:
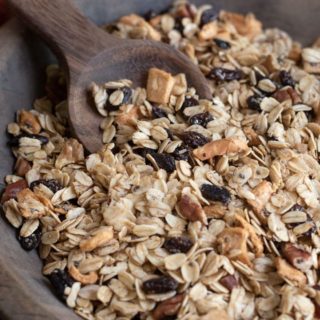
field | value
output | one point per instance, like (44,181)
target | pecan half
(287,93)
(168,307)
(22,166)
(285,270)
(190,208)
(13,189)
(297,257)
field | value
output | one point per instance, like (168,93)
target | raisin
(162,284)
(209,15)
(31,242)
(178,244)
(286,79)
(189,102)
(170,134)
(158,112)
(127,93)
(194,139)
(149,15)
(52,184)
(254,102)
(178,25)
(181,153)
(223,74)
(144,151)
(15,141)
(164,161)
(222,44)
(60,279)
(201,119)
(297,207)
(215,193)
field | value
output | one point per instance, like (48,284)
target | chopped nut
(208,31)
(72,152)
(13,189)
(311,60)
(295,52)
(219,148)
(252,136)
(190,208)
(216,210)
(128,115)
(137,21)
(271,63)
(256,241)
(28,122)
(89,278)
(299,258)
(103,236)
(169,307)
(31,205)
(233,244)
(262,194)
(21,167)
(159,85)
(286,271)
(246,25)
(287,93)
(229,282)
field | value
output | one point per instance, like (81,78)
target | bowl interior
(25,293)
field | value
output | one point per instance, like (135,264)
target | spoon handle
(70,35)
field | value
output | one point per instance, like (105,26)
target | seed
(286,79)
(60,279)
(209,15)
(52,184)
(158,112)
(223,74)
(178,244)
(31,242)
(13,189)
(162,284)
(215,193)
(201,119)
(222,44)
(194,139)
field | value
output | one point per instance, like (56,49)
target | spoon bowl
(89,54)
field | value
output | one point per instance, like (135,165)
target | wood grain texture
(90,54)
(24,292)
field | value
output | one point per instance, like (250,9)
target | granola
(194,209)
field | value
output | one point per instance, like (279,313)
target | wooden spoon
(88,54)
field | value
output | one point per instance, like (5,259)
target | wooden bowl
(24,293)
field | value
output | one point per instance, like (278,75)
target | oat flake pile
(194,209)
